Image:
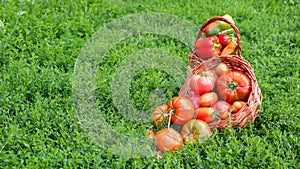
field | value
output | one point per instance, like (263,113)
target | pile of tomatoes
(212,96)
(215,94)
(180,112)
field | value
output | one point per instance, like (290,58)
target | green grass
(39,49)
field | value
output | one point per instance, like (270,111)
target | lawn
(59,111)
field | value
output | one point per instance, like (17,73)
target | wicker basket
(194,60)
(250,110)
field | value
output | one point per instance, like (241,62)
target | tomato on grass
(195,130)
(168,139)
(181,109)
(160,116)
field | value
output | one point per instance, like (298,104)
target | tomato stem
(169,122)
(190,136)
(171,111)
(232,85)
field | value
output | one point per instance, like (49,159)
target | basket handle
(236,30)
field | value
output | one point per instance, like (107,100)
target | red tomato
(221,107)
(237,105)
(160,116)
(206,114)
(224,116)
(222,68)
(204,82)
(192,93)
(208,99)
(195,101)
(168,139)
(181,109)
(195,130)
(234,86)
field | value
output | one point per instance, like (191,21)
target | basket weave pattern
(250,110)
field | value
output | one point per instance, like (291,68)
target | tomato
(223,108)
(181,109)
(224,116)
(208,99)
(192,93)
(160,115)
(207,114)
(168,139)
(204,82)
(222,68)
(195,130)
(237,105)
(234,86)
(195,101)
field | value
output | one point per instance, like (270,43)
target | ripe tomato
(224,116)
(195,101)
(204,82)
(234,86)
(168,139)
(208,99)
(223,108)
(237,105)
(181,109)
(192,94)
(160,115)
(195,130)
(222,68)
(207,114)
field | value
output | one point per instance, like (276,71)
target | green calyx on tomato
(232,86)
(181,110)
